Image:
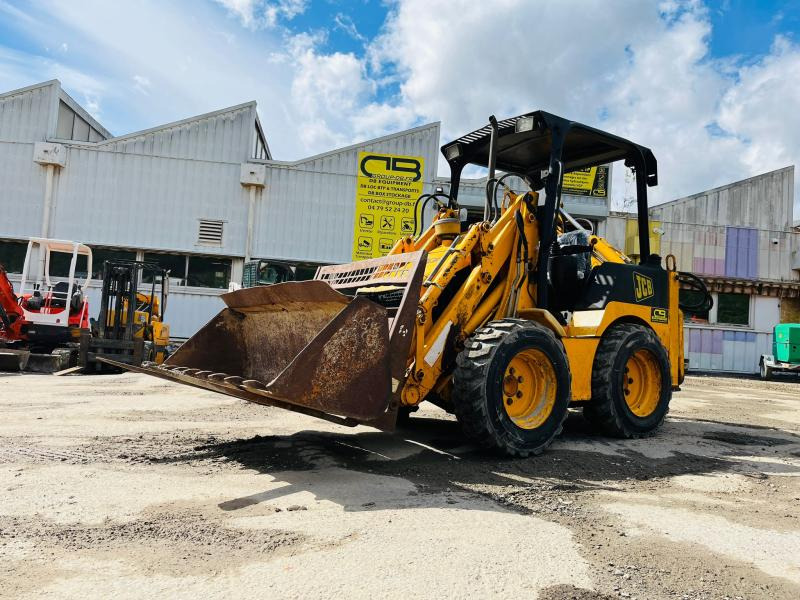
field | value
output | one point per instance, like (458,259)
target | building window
(733,309)
(211,272)
(304,272)
(174,263)
(693,298)
(195,271)
(101,255)
(12,256)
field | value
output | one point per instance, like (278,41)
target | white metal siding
(26,116)
(21,191)
(763,202)
(130,200)
(225,136)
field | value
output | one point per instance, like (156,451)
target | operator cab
(539,148)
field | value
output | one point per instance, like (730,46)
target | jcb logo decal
(642,287)
(376,164)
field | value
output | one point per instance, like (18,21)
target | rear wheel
(765,370)
(511,387)
(631,382)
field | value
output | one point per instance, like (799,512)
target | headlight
(524,124)
(452,152)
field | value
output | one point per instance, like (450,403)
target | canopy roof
(524,145)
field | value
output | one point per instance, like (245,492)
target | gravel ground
(127,486)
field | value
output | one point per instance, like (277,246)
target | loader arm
(495,284)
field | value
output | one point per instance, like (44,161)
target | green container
(786,342)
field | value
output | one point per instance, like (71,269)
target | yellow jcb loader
(506,322)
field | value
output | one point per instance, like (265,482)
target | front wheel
(511,387)
(631,382)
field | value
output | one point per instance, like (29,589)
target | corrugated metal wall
(117,199)
(25,115)
(742,230)
(222,136)
(729,348)
(763,202)
(21,191)
(307,209)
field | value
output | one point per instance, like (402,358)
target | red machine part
(10,312)
(12,318)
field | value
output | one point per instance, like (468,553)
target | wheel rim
(642,383)
(529,389)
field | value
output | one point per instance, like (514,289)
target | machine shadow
(430,453)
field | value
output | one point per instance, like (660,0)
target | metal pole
(48,199)
(492,163)
(251,215)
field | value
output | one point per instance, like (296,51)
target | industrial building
(203,195)
(742,241)
(200,196)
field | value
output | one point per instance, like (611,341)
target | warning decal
(386,190)
(586,182)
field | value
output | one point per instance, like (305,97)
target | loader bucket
(307,347)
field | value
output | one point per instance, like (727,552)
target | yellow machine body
(146,327)
(487,251)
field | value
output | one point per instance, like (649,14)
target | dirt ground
(127,486)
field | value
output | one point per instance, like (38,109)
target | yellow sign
(586,182)
(642,287)
(387,188)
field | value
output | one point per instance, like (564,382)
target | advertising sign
(386,190)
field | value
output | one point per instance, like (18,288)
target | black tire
(764,370)
(478,387)
(608,410)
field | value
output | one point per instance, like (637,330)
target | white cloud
(330,89)
(142,84)
(346,24)
(255,14)
(639,69)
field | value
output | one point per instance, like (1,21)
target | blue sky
(708,85)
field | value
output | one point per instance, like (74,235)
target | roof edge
(173,124)
(29,88)
(721,187)
(290,163)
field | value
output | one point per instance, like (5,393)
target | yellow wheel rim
(641,383)
(529,389)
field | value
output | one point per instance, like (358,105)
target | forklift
(130,328)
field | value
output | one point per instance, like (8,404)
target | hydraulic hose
(425,198)
(491,191)
(695,284)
